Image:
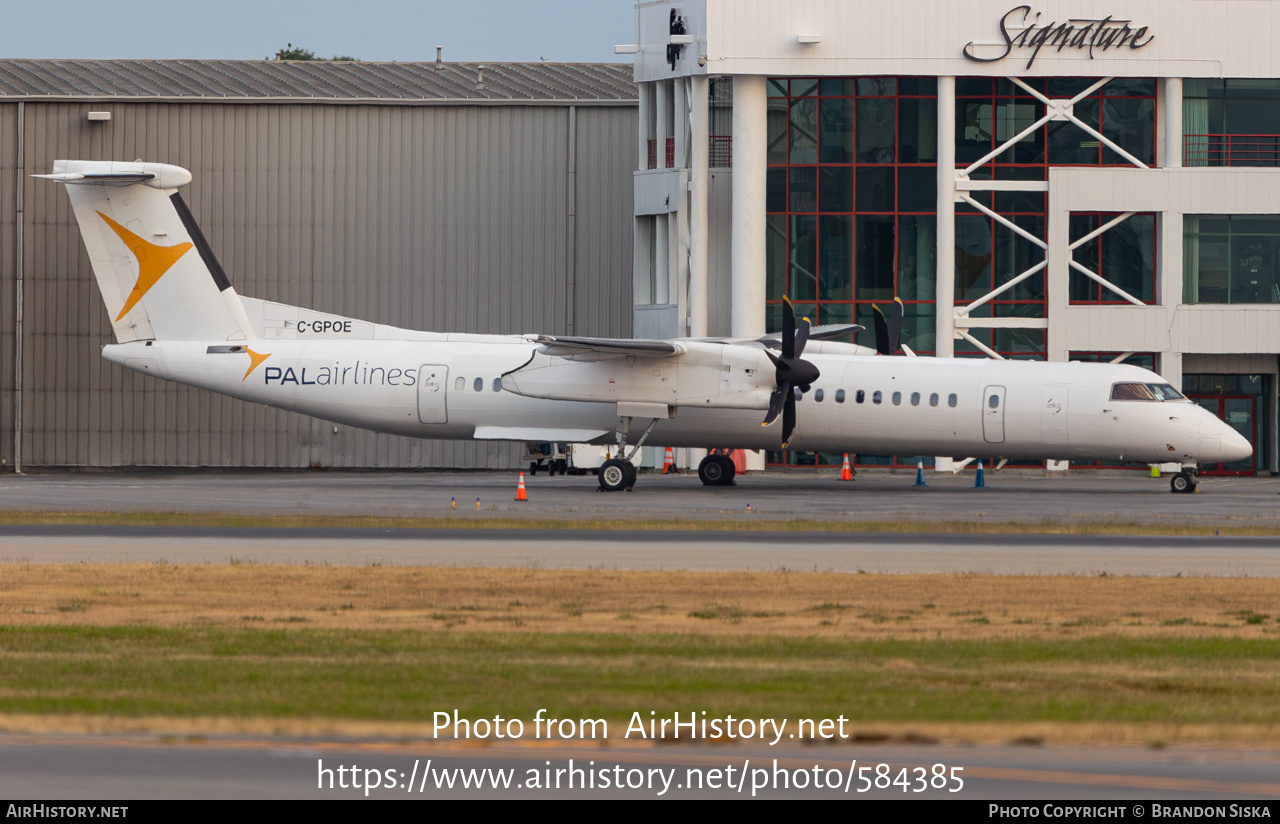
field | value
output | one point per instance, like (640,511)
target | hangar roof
(320,81)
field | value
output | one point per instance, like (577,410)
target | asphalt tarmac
(50,767)
(1027,501)
(634,549)
(1019,496)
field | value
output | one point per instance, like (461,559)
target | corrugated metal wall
(8,273)
(449,218)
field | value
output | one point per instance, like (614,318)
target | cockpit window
(1144,392)
(1131,392)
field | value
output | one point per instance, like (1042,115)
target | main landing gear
(1185,481)
(716,470)
(618,474)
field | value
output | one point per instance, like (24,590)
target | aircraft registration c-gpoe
(176,316)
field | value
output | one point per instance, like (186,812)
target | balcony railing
(1231,150)
(671,152)
(721,149)
(653,154)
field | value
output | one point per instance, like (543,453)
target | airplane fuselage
(453,388)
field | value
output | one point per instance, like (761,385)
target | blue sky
(492,30)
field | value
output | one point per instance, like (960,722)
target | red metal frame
(653,153)
(671,152)
(1231,150)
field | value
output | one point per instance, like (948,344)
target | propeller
(792,372)
(888,328)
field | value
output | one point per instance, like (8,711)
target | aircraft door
(1053,415)
(993,414)
(433,386)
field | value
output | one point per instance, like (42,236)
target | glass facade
(1124,255)
(1231,122)
(852,190)
(852,194)
(1230,259)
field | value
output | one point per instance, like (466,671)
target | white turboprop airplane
(176,316)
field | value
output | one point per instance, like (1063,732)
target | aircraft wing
(600,348)
(825,332)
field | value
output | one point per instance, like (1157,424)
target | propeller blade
(802,336)
(788,329)
(775,404)
(888,328)
(788,417)
(882,330)
(895,324)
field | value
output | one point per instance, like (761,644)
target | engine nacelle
(710,375)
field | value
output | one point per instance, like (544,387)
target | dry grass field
(255,648)
(790,604)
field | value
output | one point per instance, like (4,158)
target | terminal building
(1054,180)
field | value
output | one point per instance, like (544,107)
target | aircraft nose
(1235,447)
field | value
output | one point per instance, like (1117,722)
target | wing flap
(542,433)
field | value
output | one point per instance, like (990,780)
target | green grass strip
(406,675)
(745,523)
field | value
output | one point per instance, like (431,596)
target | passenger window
(993,402)
(797,393)
(915,398)
(860,397)
(479,384)
(497,384)
(817,396)
(460,384)
(875,396)
(933,399)
(839,396)
(897,398)
(952,400)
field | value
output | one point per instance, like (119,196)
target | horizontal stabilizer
(531,434)
(122,179)
(109,179)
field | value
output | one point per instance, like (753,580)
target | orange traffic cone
(846,472)
(669,462)
(520,493)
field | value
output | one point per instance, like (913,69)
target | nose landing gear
(616,475)
(1185,481)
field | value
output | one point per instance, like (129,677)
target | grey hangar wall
(449,215)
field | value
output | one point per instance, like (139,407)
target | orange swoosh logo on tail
(153,261)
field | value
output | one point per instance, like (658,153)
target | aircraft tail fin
(156,272)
